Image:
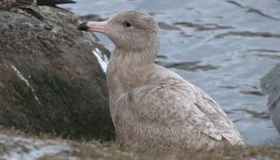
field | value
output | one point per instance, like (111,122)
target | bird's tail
(53,2)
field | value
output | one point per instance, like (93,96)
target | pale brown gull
(152,107)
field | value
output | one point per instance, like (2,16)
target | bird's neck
(128,70)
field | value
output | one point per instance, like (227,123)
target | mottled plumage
(153,107)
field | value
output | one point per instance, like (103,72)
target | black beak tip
(83,27)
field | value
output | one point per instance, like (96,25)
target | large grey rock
(50,80)
(271,85)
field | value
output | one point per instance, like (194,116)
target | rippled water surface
(222,46)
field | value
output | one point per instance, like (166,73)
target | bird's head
(129,30)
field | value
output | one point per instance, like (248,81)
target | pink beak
(93,27)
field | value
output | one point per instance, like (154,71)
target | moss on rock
(50,81)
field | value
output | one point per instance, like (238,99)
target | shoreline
(47,147)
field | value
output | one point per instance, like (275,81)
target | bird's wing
(218,117)
(33,13)
(25,5)
(25,2)
(175,102)
(53,2)
(7,4)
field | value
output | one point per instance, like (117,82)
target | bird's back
(168,112)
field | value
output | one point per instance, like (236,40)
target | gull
(151,106)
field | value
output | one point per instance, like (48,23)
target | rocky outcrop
(271,85)
(50,80)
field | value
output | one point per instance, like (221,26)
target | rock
(270,84)
(50,80)
(275,115)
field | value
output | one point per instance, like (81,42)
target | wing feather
(175,102)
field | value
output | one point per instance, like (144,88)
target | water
(222,46)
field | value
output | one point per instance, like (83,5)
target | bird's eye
(127,24)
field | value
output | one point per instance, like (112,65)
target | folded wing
(179,103)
